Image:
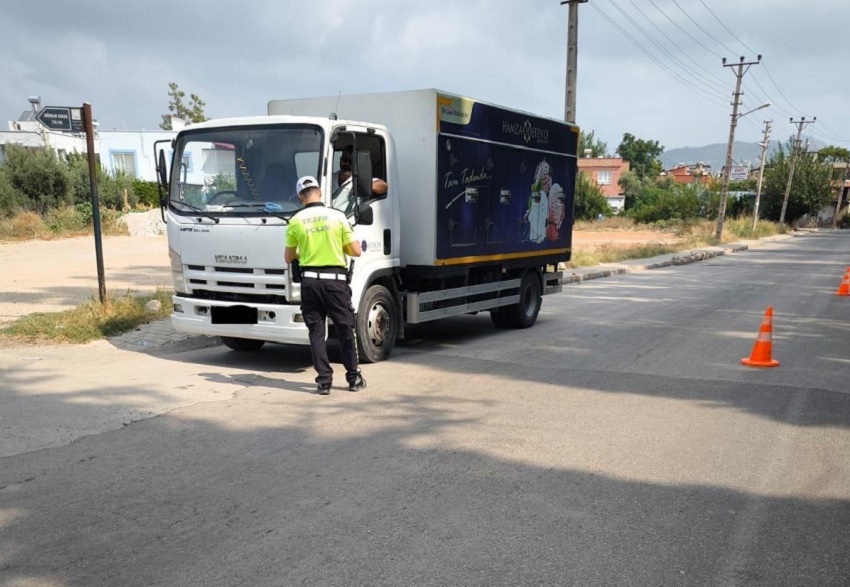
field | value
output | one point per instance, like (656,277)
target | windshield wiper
(199,211)
(270,208)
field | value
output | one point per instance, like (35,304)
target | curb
(676,259)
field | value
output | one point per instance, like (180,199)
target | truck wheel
(500,318)
(242,344)
(377,325)
(524,314)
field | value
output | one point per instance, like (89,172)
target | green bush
(78,169)
(12,201)
(589,201)
(36,174)
(69,219)
(676,204)
(147,193)
(116,192)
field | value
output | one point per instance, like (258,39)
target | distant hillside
(715,155)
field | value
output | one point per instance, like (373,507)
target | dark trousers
(322,299)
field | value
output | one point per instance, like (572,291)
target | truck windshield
(243,171)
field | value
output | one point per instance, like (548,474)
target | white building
(127,151)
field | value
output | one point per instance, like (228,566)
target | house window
(604,177)
(124,162)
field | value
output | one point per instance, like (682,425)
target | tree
(631,186)
(597,147)
(834,154)
(191,112)
(811,188)
(642,155)
(590,201)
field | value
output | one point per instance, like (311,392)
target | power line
(747,47)
(672,42)
(693,38)
(699,26)
(707,86)
(781,93)
(836,137)
(769,97)
(653,58)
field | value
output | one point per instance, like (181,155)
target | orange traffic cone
(844,287)
(760,355)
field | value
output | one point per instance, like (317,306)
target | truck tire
(499,317)
(376,325)
(524,314)
(243,345)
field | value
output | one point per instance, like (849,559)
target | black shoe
(357,384)
(323,388)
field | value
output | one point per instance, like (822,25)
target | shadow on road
(271,495)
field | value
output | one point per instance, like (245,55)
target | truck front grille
(237,283)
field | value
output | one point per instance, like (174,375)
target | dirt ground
(49,276)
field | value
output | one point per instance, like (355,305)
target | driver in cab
(341,198)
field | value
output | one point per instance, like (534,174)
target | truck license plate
(233,315)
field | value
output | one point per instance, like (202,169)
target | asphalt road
(618,442)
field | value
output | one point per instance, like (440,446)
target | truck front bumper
(283,324)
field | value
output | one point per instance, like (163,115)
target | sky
(651,68)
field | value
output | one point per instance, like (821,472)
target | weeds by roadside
(91,320)
(692,235)
(62,222)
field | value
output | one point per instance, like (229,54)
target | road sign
(739,173)
(60,118)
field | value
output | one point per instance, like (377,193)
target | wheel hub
(378,324)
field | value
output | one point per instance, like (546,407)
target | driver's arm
(379,186)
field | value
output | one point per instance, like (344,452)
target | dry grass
(692,236)
(59,223)
(26,225)
(89,321)
(611,253)
(612,223)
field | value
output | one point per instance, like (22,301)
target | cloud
(120,56)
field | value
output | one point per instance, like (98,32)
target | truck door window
(341,194)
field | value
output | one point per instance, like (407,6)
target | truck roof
(274,119)
(340,101)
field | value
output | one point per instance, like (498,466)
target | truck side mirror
(162,171)
(364,175)
(162,184)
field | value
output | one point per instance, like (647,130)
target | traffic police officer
(320,238)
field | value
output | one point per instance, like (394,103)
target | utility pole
(739,69)
(800,124)
(765,142)
(843,180)
(95,205)
(572,59)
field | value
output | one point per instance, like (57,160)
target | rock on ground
(144,223)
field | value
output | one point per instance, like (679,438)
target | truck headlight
(177,276)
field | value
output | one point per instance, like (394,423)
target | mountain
(715,155)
